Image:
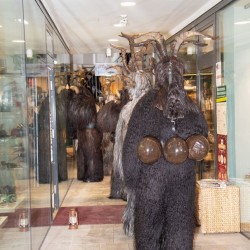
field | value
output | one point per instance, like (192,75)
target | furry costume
(89,154)
(107,118)
(43,175)
(162,194)
(61,118)
(142,85)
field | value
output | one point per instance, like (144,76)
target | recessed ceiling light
(119,25)
(113,40)
(18,41)
(128,3)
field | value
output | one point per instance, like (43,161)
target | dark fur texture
(163,193)
(108,115)
(61,118)
(43,174)
(107,119)
(142,85)
(89,154)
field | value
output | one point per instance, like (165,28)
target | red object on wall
(222,157)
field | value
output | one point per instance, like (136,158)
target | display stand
(218,207)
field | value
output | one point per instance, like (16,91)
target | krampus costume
(107,118)
(89,154)
(142,85)
(138,80)
(165,136)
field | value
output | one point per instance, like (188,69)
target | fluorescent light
(19,20)
(242,22)
(128,4)
(119,25)
(18,41)
(113,40)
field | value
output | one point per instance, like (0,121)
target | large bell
(198,147)
(149,150)
(175,150)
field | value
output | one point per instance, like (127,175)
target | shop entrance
(199,82)
(206,58)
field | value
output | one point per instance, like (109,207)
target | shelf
(11,207)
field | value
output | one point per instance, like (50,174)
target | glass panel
(207,102)
(14,157)
(207,41)
(38,119)
(188,53)
(233,26)
(64,128)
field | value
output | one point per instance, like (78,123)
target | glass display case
(27,113)
(14,128)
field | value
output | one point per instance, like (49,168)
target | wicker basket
(218,208)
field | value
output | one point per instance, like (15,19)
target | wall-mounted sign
(106,69)
(221,94)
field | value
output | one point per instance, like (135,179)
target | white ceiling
(87,25)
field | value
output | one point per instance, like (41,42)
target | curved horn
(179,40)
(159,40)
(74,88)
(59,89)
(123,52)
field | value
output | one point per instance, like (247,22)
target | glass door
(206,98)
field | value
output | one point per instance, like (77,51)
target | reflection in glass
(207,101)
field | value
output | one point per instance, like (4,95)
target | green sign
(221,94)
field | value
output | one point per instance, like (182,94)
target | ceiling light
(18,41)
(108,52)
(1,26)
(119,25)
(19,20)
(123,21)
(243,22)
(29,53)
(128,3)
(113,40)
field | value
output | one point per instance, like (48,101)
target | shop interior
(43,70)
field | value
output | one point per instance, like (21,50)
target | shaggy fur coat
(162,195)
(107,119)
(142,85)
(89,153)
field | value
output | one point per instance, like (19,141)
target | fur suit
(163,192)
(107,118)
(142,85)
(89,154)
(61,100)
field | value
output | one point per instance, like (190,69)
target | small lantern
(23,222)
(73,219)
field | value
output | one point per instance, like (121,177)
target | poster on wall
(221,116)
(222,157)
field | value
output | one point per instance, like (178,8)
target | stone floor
(111,236)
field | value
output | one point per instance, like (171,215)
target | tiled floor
(111,237)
